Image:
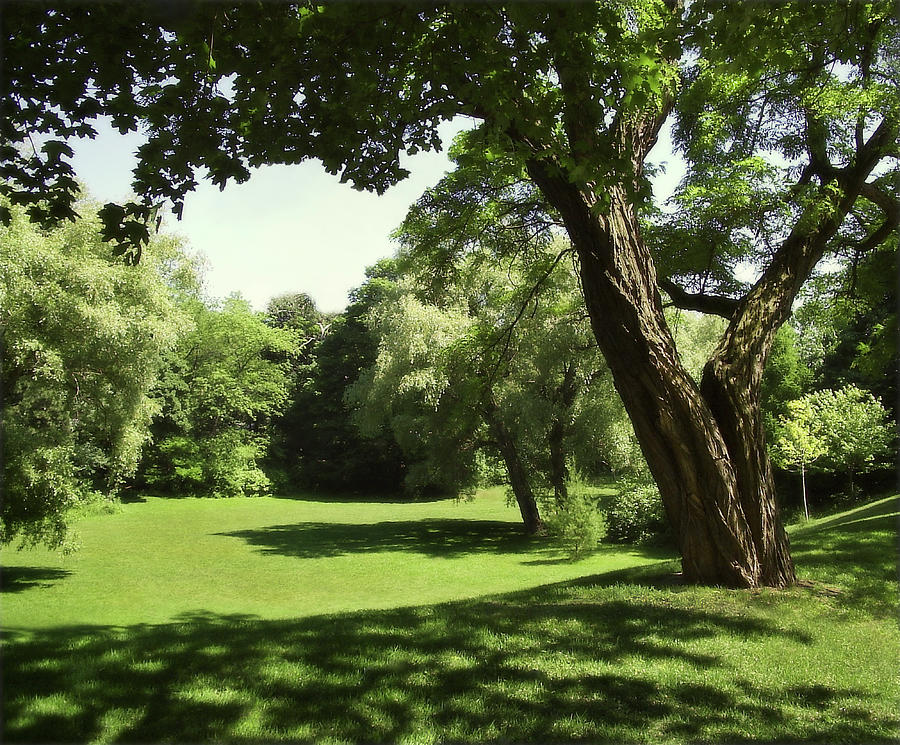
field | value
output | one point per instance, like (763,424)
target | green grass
(157,560)
(264,643)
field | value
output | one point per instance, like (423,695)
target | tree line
(785,113)
(435,380)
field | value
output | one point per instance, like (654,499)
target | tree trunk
(705,445)
(734,399)
(564,398)
(518,478)
(559,473)
(716,486)
(803,485)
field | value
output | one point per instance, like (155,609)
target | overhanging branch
(889,204)
(717,305)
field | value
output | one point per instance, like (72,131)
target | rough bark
(705,445)
(679,434)
(518,478)
(732,378)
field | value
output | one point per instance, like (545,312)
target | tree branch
(888,203)
(717,305)
(508,331)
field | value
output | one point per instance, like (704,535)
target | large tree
(574,96)
(484,363)
(76,412)
(224,383)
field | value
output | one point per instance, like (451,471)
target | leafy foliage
(799,440)
(578,523)
(316,442)
(856,429)
(846,430)
(82,341)
(786,377)
(412,387)
(224,385)
(498,355)
(846,324)
(637,514)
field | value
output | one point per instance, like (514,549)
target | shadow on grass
(18,579)
(360,497)
(432,537)
(857,550)
(570,662)
(624,657)
(556,552)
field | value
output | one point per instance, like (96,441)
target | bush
(578,524)
(637,515)
(222,466)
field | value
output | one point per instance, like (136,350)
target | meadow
(313,620)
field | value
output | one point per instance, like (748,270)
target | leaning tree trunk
(705,445)
(709,461)
(720,502)
(518,478)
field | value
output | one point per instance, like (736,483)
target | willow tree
(481,363)
(576,95)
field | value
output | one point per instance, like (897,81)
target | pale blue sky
(289,228)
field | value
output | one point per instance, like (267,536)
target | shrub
(637,514)
(222,466)
(578,524)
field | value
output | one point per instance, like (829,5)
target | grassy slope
(626,656)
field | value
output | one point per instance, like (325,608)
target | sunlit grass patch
(162,560)
(623,656)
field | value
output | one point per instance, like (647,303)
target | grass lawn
(162,559)
(312,621)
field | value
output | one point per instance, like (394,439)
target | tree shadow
(852,546)
(555,665)
(561,554)
(21,578)
(623,657)
(438,537)
(877,514)
(326,497)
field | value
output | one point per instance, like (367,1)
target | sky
(288,228)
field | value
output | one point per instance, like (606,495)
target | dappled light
(597,661)
(541,478)
(632,655)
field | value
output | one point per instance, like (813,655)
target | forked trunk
(705,445)
(732,392)
(707,456)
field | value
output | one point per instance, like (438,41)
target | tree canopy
(76,410)
(224,383)
(787,114)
